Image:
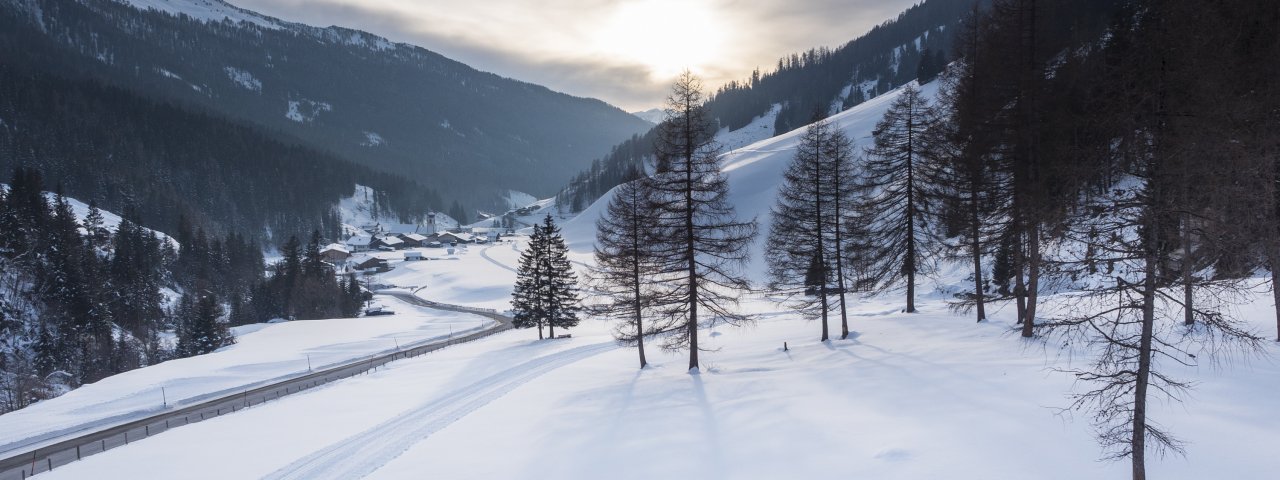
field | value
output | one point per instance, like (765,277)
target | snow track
(485,254)
(362,453)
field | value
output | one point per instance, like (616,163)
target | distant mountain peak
(652,115)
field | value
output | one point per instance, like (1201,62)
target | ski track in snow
(361,454)
(485,253)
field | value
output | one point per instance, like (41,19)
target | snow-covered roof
(415,237)
(360,240)
(336,247)
(390,240)
(464,237)
(400,227)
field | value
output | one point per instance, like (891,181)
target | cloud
(621,51)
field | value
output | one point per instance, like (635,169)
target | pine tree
(802,251)
(699,242)
(966,145)
(546,292)
(623,268)
(93,225)
(893,191)
(202,331)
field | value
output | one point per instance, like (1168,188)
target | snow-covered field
(908,396)
(263,353)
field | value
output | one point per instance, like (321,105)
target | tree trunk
(1188,264)
(635,283)
(1019,285)
(822,254)
(690,252)
(1138,441)
(1033,281)
(975,231)
(1274,260)
(910,267)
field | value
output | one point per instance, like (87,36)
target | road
(23,464)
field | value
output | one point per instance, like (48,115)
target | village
(369,249)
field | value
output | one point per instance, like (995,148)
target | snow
(205,11)
(244,79)
(110,220)
(264,354)
(926,395)
(516,199)
(371,139)
(303,111)
(652,115)
(760,128)
(168,74)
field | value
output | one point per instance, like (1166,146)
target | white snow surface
(652,115)
(760,128)
(907,396)
(206,11)
(261,355)
(517,199)
(373,139)
(303,111)
(244,79)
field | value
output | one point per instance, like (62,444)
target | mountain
(395,107)
(819,82)
(652,115)
(160,163)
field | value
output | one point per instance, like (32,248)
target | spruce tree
(699,243)
(546,291)
(202,332)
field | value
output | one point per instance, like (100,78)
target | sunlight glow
(667,36)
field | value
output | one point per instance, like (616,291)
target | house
(413,240)
(413,256)
(390,242)
(451,237)
(335,253)
(483,235)
(360,242)
(368,263)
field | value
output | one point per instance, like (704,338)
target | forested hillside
(469,135)
(160,162)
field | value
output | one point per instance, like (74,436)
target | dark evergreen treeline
(466,134)
(915,44)
(164,163)
(79,302)
(301,287)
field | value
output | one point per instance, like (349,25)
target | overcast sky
(622,51)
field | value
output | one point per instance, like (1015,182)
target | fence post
(146,430)
(126,437)
(77,452)
(49,462)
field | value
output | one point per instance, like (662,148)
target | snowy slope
(652,115)
(110,220)
(908,396)
(270,353)
(206,10)
(754,172)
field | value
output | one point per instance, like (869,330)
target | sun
(666,36)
